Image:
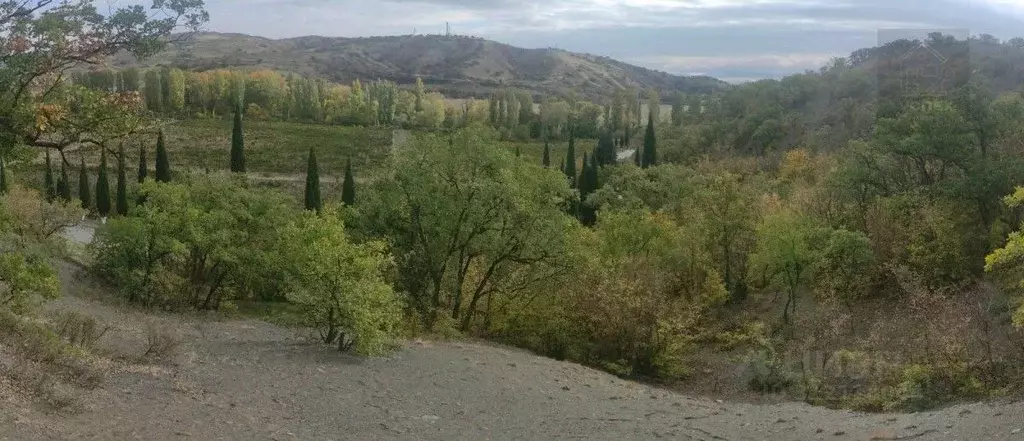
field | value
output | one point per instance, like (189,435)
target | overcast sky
(735,40)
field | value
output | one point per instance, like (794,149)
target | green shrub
(339,285)
(767,371)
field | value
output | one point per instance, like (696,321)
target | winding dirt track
(248,380)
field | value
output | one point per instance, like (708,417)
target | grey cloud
(750,38)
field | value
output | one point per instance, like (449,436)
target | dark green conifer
(163,165)
(636,158)
(49,186)
(122,183)
(588,185)
(103,187)
(4,186)
(64,184)
(348,188)
(547,155)
(143,167)
(237,143)
(84,193)
(570,160)
(605,153)
(581,180)
(650,157)
(313,201)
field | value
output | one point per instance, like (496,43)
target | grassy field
(275,151)
(534,151)
(277,147)
(271,147)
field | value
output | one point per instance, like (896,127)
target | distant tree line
(267,94)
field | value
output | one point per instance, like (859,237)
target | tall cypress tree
(313,201)
(237,143)
(570,160)
(588,185)
(50,190)
(547,154)
(103,187)
(163,165)
(636,158)
(562,167)
(84,193)
(650,158)
(4,186)
(348,188)
(581,181)
(122,183)
(64,184)
(605,153)
(143,167)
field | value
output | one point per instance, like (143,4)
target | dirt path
(254,381)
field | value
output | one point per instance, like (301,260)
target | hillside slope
(457,65)
(244,379)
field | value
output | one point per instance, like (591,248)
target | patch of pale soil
(250,380)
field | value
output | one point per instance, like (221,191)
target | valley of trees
(825,213)
(271,95)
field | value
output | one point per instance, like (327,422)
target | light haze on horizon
(735,40)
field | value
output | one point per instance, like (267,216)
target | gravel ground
(248,380)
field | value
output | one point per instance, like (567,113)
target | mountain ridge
(456,65)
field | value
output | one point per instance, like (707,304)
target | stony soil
(249,380)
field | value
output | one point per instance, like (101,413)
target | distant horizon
(733,40)
(887,34)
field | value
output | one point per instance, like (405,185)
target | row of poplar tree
(268,94)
